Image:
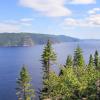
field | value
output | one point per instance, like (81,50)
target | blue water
(12,59)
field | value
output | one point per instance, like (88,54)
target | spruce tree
(69,61)
(24,88)
(48,58)
(78,57)
(96,59)
(91,61)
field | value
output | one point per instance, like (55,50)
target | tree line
(75,81)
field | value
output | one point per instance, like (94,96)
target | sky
(76,18)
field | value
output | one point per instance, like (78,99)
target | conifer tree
(69,61)
(48,58)
(91,61)
(96,59)
(24,88)
(78,57)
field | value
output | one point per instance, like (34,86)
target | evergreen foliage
(69,61)
(24,88)
(91,61)
(96,60)
(30,39)
(75,83)
(78,57)
(48,58)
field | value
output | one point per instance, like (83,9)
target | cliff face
(26,41)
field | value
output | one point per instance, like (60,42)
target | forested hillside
(30,39)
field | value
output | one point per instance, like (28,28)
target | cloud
(51,8)
(74,22)
(94,11)
(26,19)
(70,22)
(90,21)
(94,19)
(82,1)
(23,21)
(15,25)
(8,28)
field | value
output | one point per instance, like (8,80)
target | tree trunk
(24,94)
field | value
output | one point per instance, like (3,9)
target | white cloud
(82,1)
(9,28)
(26,19)
(74,22)
(94,11)
(94,19)
(70,22)
(52,8)
(15,25)
(90,21)
(20,21)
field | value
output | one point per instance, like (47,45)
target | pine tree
(69,61)
(91,61)
(96,59)
(24,87)
(78,57)
(48,57)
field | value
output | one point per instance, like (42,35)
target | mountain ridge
(30,39)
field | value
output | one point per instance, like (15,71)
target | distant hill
(90,40)
(30,39)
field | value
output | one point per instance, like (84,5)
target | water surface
(12,59)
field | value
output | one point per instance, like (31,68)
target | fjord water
(12,59)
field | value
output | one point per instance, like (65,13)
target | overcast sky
(76,18)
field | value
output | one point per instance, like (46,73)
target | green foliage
(24,88)
(91,61)
(48,53)
(48,58)
(69,61)
(75,83)
(29,39)
(96,59)
(15,39)
(78,57)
